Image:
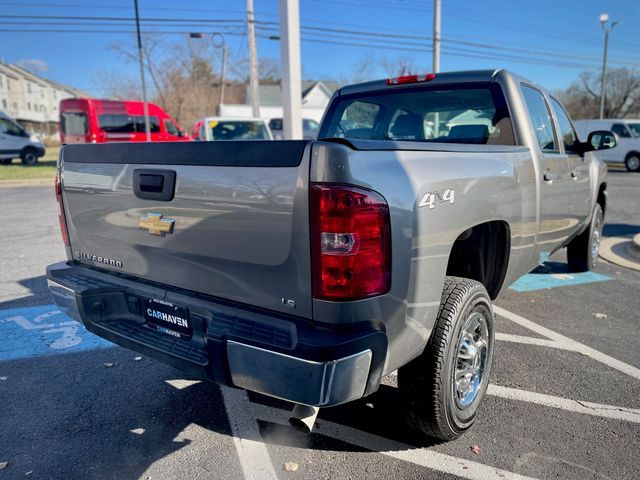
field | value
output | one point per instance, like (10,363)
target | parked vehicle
(89,120)
(231,128)
(16,142)
(307,270)
(310,128)
(627,134)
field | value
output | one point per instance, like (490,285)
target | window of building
(4,103)
(28,87)
(29,106)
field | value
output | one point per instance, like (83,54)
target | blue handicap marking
(552,275)
(44,330)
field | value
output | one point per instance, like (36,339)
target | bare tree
(363,68)
(622,95)
(397,66)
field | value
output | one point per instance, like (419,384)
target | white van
(627,133)
(16,142)
(229,128)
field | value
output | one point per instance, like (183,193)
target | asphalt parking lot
(564,401)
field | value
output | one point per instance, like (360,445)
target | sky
(548,41)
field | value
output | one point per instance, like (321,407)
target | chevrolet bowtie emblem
(155,224)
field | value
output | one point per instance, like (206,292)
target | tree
(622,95)
(397,66)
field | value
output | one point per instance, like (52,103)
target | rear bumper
(283,357)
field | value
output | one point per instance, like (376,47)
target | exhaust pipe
(303,418)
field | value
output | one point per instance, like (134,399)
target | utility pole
(291,72)
(147,126)
(436,35)
(253,74)
(223,72)
(604,18)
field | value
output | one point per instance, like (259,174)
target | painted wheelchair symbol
(68,330)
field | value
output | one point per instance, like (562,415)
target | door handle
(548,176)
(158,185)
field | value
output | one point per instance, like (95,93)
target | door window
(568,134)
(10,128)
(171,128)
(540,117)
(621,130)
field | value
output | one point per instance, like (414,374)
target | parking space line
(541,342)
(254,457)
(570,344)
(589,408)
(419,456)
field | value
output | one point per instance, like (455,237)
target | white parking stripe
(589,408)
(541,342)
(408,453)
(570,344)
(254,458)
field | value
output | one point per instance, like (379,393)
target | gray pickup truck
(308,270)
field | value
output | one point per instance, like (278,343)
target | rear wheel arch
(602,197)
(482,253)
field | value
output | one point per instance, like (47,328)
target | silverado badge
(155,224)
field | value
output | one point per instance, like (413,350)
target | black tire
(582,252)
(29,156)
(632,162)
(432,403)
(6,161)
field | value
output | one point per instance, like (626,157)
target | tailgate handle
(158,185)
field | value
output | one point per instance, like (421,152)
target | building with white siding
(32,100)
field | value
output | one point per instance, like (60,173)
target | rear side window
(568,134)
(74,123)
(620,130)
(540,118)
(120,123)
(473,113)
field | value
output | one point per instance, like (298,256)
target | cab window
(10,128)
(540,118)
(620,129)
(567,133)
(171,128)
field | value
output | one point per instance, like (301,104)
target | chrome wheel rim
(471,360)
(634,163)
(595,239)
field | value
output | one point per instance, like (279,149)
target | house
(315,98)
(31,99)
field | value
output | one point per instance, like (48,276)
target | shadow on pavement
(620,230)
(39,294)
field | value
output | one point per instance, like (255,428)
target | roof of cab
(440,78)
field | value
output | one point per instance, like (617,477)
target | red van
(89,120)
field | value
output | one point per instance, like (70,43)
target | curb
(621,251)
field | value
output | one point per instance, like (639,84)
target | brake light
(61,216)
(351,243)
(411,79)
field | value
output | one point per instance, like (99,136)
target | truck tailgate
(236,226)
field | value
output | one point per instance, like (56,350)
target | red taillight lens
(351,243)
(61,217)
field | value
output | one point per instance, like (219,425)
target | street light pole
(147,126)
(604,18)
(436,35)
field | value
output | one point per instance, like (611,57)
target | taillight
(411,79)
(351,243)
(61,216)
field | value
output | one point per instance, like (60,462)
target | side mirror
(601,140)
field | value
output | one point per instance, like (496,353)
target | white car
(627,133)
(16,142)
(229,128)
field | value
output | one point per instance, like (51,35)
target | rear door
(228,219)
(580,203)
(626,143)
(555,191)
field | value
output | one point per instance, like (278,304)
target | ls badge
(155,224)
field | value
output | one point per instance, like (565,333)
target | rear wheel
(632,162)
(583,251)
(444,387)
(29,156)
